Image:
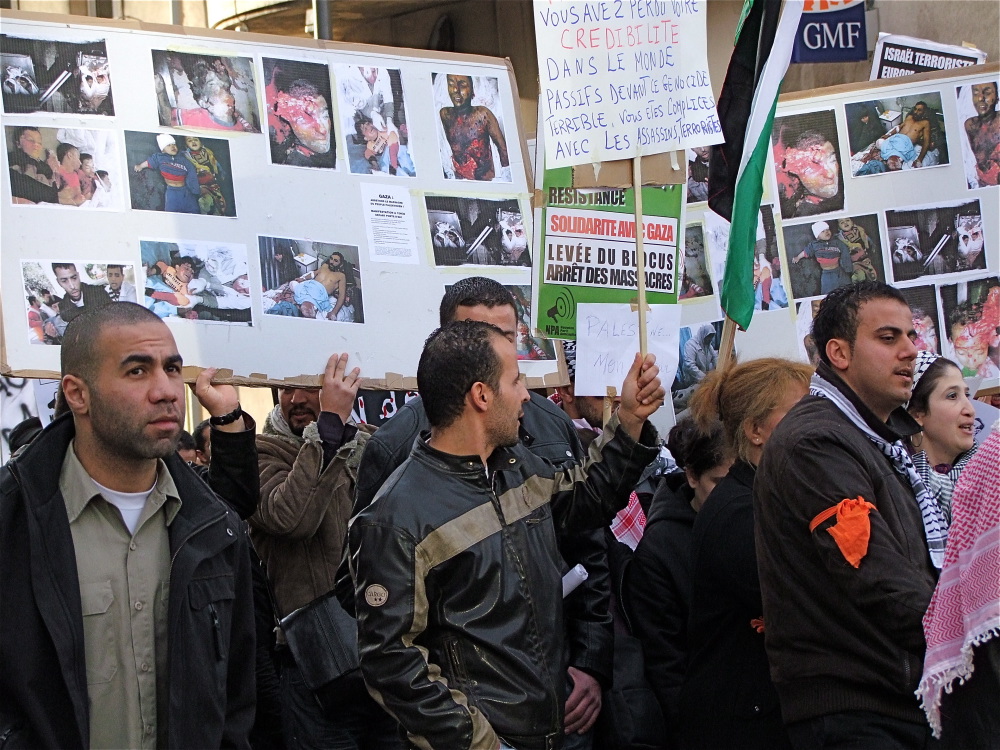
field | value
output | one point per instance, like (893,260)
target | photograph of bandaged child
(898,133)
(805,312)
(297,105)
(768,285)
(831,253)
(373,118)
(45,75)
(477,231)
(695,279)
(923,304)
(972,326)
(697,173)
(699,355)
(186,174)
(64,167)
(935,240)
(205,91)
(471,135)
(205,281)
(806,152)
(57,291)
(977,111)
(315,280)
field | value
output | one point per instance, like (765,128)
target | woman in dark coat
(658,580)
(727,699)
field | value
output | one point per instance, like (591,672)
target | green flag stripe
(737,285)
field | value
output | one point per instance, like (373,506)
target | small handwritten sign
(608,338)
(623,78)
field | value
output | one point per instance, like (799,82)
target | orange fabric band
(852,530)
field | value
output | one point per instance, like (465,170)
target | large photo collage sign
(272,203)
(888,181)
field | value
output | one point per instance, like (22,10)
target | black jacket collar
(502,459)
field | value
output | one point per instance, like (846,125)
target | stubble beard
(123,436)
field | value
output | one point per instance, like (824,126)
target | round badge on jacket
(376,595)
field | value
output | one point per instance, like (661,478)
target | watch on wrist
(225,419)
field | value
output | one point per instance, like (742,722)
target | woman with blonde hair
(727,698)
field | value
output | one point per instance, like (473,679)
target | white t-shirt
(129,504)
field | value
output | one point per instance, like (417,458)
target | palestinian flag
(764,41)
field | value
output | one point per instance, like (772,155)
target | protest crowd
(805,557)
(807,560)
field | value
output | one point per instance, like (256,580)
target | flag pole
(727,343)
(640,255)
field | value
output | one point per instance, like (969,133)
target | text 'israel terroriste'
(623,78)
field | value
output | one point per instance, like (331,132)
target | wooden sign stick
(726,346)
(640,255)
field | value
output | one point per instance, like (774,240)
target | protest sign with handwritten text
(608,338)
(623,78)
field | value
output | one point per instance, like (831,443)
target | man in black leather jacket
(457,574)
(547,432)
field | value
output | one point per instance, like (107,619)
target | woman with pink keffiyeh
(962,624)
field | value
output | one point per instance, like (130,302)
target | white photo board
(932,230)
(273,200)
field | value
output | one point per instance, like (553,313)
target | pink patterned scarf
(965,609)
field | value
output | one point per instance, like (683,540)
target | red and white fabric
(965,609)
(629,523)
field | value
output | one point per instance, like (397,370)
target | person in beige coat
(309,453)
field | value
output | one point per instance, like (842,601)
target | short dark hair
(102,173)
(360,120)
(963,314)
(199,435)
(920,398)
(185,442)
(21,131)
(472,291)
(62,149)
(32,299)
(202,73)
(79,355)
(837,317)
(302,87)
(57,266)
(86,157)
(455,357)
(810,138)
(193,262)
(694,449)
(119,266)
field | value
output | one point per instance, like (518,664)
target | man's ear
(479,397)
(76,394)
(566,393)
(839,353)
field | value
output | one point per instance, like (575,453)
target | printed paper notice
(392,235)
(623,78)
(607,338)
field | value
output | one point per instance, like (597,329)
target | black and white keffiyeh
(935,526)
(940,481)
